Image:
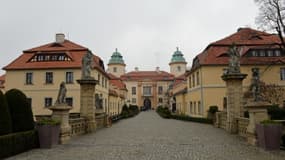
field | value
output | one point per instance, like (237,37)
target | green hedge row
(165,113)
(15,143)
(130,111)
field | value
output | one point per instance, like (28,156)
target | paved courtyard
(149,137)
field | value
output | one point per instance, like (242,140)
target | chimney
(136,68)
(157,69)
(59,38)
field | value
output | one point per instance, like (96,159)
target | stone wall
(78,126)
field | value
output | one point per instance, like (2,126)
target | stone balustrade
(242,126)
(78,126)
(221,120)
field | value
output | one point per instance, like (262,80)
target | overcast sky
(146,32)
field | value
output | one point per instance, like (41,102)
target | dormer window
(265,53)
(277,53)
(50,57)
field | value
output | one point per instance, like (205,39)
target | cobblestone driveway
(150,137)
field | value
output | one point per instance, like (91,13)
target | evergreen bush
(14,143)
(213,109)
(276,113)
(20,110)
(5,118)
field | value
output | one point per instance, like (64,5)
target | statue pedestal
(234,99)
(101,118)
(257,112)
(87,102)
(61,112)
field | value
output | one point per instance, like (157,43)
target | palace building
(147,89)
(203,86)
(39,71)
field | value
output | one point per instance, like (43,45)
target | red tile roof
(113,92)
(179,80)
(74,51)
(117,82)
(147,75)
(246,38)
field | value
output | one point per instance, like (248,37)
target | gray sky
(146,32)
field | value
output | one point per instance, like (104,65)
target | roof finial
(116,49)
(177,48)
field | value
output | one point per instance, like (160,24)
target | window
(269,53)
(199,108)
(115,69)
(49,77)
(178,68)
(277,53)
(69,101)
(103,81)
(197,78)
(160,89)
(106,83)
(69,77)
(99,78)
(190,82)
(29,78)
(160,100)
(282,73)
(191,107)
(193,80)
(147,90)
(48,101)
(195,110)
(134,91)
(254,53)
(134,100)
(262,53)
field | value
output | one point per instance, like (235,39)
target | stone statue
(61,94)
(255,84)
(87,62)
(98,102)
(234,62)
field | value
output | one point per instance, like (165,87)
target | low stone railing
(78,126)
(221,120)
(242,126)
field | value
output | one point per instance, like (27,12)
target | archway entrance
(147,104)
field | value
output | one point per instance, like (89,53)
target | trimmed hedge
(130,111)
(165,113)
(192,119)
(20,111)
(12,144)
(5,118)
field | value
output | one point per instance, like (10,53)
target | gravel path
(149,137)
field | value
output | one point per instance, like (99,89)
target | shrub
(48,121)
(15,143)
(276,113)
(213,109)
(5,118)
(192,119)
(130,111)
(20,110)
(283,140)
(163,112)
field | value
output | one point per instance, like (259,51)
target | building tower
(177,63)
(116,65)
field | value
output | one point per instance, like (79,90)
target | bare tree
(272,17)
(271,93)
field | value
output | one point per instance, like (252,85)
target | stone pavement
(149,137)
